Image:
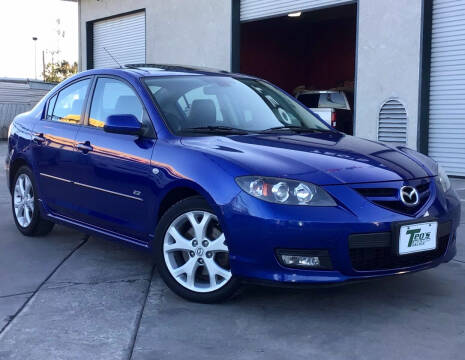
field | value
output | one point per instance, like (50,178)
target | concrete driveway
(68,296)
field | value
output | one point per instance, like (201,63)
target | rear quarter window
(51,106)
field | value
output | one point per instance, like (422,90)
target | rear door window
(69,102)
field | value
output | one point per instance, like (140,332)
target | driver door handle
(39,138)
(85,147)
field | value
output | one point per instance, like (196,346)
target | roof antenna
(116,61)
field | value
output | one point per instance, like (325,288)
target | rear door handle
(85,147)
(39,138)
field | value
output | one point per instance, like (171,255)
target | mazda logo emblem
(409,196)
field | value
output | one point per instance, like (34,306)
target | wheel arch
(15,165)
(180,191)
(173,196)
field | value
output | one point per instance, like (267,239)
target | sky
(20,20)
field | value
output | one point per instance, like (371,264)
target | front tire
(191,253)
(25,205)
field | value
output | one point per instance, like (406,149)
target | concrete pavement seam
(139,317)
(17,294)
(66,284)
(13,317)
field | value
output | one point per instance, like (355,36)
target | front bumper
(256,230)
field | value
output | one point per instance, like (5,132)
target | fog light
(304,259)
(299,260)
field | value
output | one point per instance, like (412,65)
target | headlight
(443,179)
(284,191)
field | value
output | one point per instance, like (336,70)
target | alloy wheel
(23,200)
(196,253)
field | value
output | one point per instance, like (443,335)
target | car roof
(149,70)
(138,71)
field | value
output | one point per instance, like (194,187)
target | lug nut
(205,243)
(191,253)
(194,243)
(200,261)
(209,254)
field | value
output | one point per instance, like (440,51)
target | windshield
(212,103)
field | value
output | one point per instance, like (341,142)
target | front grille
(399,207)
(388,196)
(370,252)
(378,192)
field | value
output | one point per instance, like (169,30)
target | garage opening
(117,39)
(311,56)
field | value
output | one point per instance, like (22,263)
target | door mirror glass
(123,124)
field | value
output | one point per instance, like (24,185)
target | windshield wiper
(294,128)
(217,129)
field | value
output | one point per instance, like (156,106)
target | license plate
(418,237)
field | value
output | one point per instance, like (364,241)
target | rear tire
(194,263)
(25,205)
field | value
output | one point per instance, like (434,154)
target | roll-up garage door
(259,9)
(123,37)
(447,89)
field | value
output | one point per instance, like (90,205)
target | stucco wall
(388,62)
(177,31)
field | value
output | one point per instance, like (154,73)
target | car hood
(321,158)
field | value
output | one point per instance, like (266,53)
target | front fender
(181,167)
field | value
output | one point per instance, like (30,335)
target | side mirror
(126,124)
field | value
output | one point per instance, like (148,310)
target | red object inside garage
(316,49)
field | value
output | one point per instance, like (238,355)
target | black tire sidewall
(181,207)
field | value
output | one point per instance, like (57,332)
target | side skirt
(87,228)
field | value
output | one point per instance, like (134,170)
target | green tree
(59,71)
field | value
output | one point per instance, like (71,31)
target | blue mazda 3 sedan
(225,178)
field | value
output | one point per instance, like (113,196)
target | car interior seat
(203,113)
(128,104)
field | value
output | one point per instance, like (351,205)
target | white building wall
(181,32)
(388,62)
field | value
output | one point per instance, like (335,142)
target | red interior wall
(294,51)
